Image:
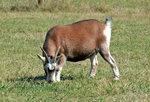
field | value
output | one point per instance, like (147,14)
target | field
(22,31)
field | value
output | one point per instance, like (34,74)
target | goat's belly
(79,57)
(81,53)
(76,59)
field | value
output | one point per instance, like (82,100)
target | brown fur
(76,40)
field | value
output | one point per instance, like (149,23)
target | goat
(76,42)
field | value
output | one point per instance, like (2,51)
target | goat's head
(50,64)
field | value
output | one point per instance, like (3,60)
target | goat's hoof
(91,76)
(116,78)
(57,80)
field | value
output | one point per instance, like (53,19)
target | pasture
(22,32)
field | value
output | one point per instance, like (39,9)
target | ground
(22,75)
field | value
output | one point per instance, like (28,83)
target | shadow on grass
(38,78)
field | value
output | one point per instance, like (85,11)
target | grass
(73,6)
(21,73)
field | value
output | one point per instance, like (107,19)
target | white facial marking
(107,33)
(49,66)
(52,75)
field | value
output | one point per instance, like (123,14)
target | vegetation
(23,26)
(73,6)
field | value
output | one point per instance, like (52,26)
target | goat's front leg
(94,63)
(60,66)
(58,72)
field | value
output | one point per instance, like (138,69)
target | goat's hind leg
(114,68)
(105,53)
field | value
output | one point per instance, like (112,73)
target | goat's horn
(41,58)
(56,53)
(45,54)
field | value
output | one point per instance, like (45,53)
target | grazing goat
(76,42)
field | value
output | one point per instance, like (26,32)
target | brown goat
(76,42)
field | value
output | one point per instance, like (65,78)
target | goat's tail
(108,21)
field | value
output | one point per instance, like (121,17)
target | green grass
(22,74)
(73,5)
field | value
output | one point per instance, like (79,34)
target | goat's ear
(43,59)
(58,58)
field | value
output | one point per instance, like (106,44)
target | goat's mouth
(50,76)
